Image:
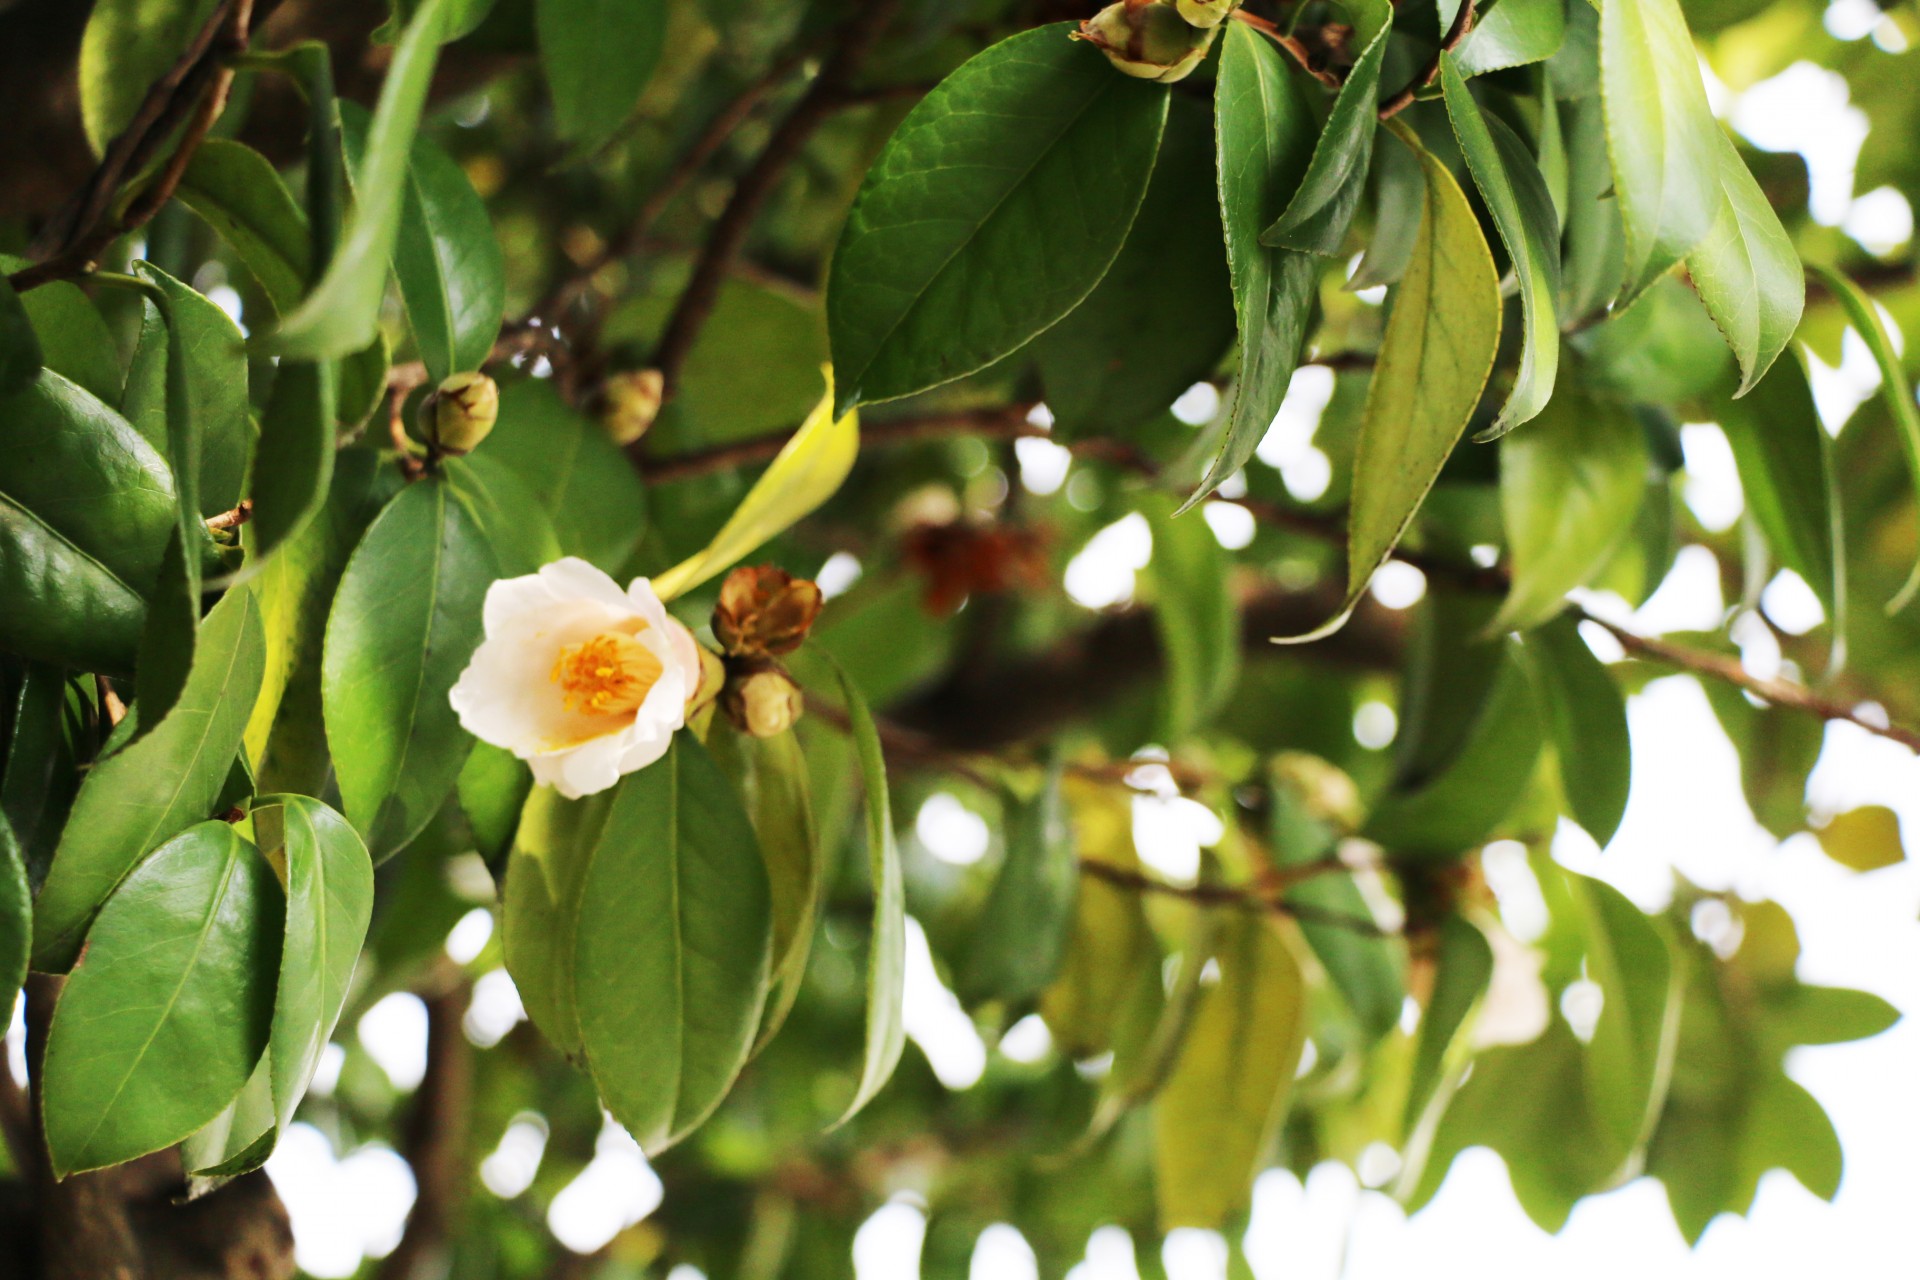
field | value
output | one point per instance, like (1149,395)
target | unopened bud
(1206,13)
(764,704)
(1149,41)
(764,611)
(630,401)
(458,414)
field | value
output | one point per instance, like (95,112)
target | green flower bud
(460,413)
(1149,41)
(1206,13)
(629,402)
(764,704)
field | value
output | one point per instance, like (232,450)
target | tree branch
(730,230)
(1221,895)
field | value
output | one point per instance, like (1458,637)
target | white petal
(585,770)
(507,696)
(573,578)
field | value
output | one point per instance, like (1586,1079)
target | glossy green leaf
(587,487)
(887,945)
(205,346)
(1162,317)
(506,512)
(808,471)
(1747,271)
(1661,135)
(1230,1086)
(1513,33)
(404,623)
(1515,193)
(959,248)
(16,914)
(1863,839)
(668,1014)
(128,45)
(295,457)
(782,813)
(73,337)
(236,1141)
(1570,487)
(1020,934)
(140,795)
(1895,390)
(238,193)
(1433,365)
(1785,458)
(552,849)
(1587,716)
(1195,616)
(1263,133)
(452,277)
(341,314)
(1320,209)
(1395,185)
(493,788)
(164,1018)
(50,728)
(20,356)
(598,55)
(329,904)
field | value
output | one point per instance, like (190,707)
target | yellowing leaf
(806,474)
(1864,839)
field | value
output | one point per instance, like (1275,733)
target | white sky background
(1686,813)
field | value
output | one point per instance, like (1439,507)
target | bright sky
(1686,814)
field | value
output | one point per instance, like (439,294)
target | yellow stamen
(609,675)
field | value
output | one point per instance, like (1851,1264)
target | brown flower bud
(765,703)
(764,611)
(629,402)
(1149,41)
(458,414)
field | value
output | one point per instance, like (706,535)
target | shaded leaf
(1195,616)
(587,487)
(1587,716)
(128,45)
(20,357)
(1020,934)
(598,55)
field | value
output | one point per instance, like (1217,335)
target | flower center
(609,675)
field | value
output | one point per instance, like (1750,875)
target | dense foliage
(372,355)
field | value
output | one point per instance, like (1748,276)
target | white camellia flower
(583,681)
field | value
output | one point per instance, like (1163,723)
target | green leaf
(1262,139)
(206,349)
(598,55)
(1747,271)
(1516,195)
(164,1018)
(993,211)
(404,623)
(20,357)
(1320,209)
(16,914)
(1458,805)
(1588,719)
(1662,137)
(445,256)
(1570,487)
(887,945)
(140,795)
(807,472)
(1513,33)
(341,314)
(1785,458)
(1638,1029)
(1110,950)
(329,904)
(49,726)
(294,460)
(1895,390)
(1162,317)
(668,1012)
(781,808)
(587,487)
(1863,839)
(238,193)
(1463,972)
(236,1141)
(128,45)
(1433,364)
(1229,1088)
(1396,184)
(1020,934)
(505,511)
(1195,616)
(554,846)
(493,788)
(73,337)
(1827,1015)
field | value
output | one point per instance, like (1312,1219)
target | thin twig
(1462,24)
(750,195)
(1220,895)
